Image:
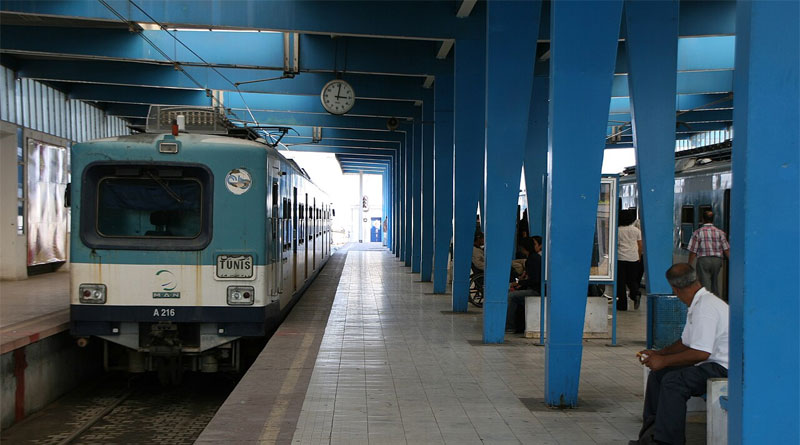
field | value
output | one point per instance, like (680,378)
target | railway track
(119,409)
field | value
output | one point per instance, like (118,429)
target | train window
(687,215)
(274,194)
(687,225)
(702,210)
(141,207)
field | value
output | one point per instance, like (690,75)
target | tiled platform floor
(393,368)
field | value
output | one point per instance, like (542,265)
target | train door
(276,238)
(316,232)
(294,239)
(286,241)
(309,214)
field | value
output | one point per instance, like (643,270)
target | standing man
(708,244)
(680,370)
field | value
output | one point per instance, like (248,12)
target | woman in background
(629,264)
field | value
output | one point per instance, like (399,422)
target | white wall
(13,252)
(47,115)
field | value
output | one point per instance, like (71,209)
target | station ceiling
(125,55)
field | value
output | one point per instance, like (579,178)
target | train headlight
(92,293)
(241,295)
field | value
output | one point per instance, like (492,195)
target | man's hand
(655,362)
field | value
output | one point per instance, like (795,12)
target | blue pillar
(583,46)
(443,174)
(470,112)
(426,259)
(764,372)
(398,202)
(512,29)
(536,155)
(652,44)
(416,193)
(408,205)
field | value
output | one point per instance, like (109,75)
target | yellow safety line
(273,424)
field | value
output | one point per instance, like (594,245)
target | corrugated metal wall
(33,105)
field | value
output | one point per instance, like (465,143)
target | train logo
(238,181)
(168,283)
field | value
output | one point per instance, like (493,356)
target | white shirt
(707,327)
(628,248)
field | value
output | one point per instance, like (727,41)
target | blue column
(583,46)
(443,174)
(408,204)
(764,372)
(470,136)
(536,155)
(512,29)
(426,259)
(652,44)
(398,202)
(416,193)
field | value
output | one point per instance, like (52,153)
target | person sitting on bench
(680,370)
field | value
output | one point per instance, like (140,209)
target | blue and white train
(184,244)
(702,182)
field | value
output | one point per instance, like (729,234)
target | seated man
(478,258)
(680,370)
(530,284)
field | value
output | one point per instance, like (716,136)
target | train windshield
(149,207)
(146,206)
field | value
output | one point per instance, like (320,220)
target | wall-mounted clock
(337,96)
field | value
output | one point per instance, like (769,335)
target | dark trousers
(629,276)
(515,315)
(668,390)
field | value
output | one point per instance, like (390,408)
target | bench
(714,402)
(717,411)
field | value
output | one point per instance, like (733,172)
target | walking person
(708,245)
(629,263)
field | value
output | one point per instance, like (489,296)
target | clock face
(337,97)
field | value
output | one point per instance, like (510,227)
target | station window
(145,207)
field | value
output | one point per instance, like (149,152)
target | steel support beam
(511,32)
(470,115)
(764,371)
(149,75)
(443,174)
(652,30)
(400,19)
(584,44)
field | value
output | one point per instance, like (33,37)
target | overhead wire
(177,64)
(208,65)
(626,125)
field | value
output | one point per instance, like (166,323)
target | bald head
(681,276)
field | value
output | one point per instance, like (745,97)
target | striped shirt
(708,241)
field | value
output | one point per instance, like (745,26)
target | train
(188,240)
(702,182)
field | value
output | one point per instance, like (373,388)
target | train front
(168,249)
